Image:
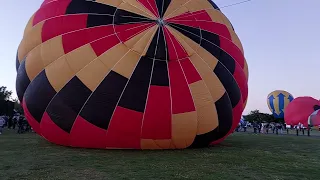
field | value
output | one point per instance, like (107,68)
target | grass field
(241,156)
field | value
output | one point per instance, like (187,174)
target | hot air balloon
(278,101)
(300,109)
(133,74)
(314,118)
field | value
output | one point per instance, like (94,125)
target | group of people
(272,127)
(261,127)
(268,127)
(18,122)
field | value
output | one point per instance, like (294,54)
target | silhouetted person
(260,127)
(245,127)
(255,127)
(10,122)
(20,125)
(2,122)
(273,128)
(14,122)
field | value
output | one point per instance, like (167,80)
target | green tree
(4,93)
(254,115)
(257,116)
(6,105)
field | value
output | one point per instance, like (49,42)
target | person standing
(5,121)
(10,122)
(14,122)
(260,127)
(297,128)
(281,128)
(255,127)
(245,126)
(267,128)
(2,122)
(20,125)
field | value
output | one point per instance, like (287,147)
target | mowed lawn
(241,156)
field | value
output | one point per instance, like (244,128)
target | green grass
(241,156)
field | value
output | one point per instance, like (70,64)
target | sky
(280,39)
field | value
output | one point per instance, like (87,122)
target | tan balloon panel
(127,64)
(114,3)
(206,110)
(177,12)
(34,63)
(184,129)
(211,80)
(173,7)
(156,144)
(138,9)
(198,5)
(93,74)
(80,57)
(51,50)
(29,26)
(31,40)
(113,55)
(59,80)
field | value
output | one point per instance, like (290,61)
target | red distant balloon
(299,110)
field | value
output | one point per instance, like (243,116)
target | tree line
(262,117)
(7,104)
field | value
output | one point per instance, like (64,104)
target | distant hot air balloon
(314,118)
(278,101)
(300,109)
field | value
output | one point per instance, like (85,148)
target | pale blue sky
(280,38)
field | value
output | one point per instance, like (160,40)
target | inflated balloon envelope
(299,110)
(314,118)
(277,102)
(137,74)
